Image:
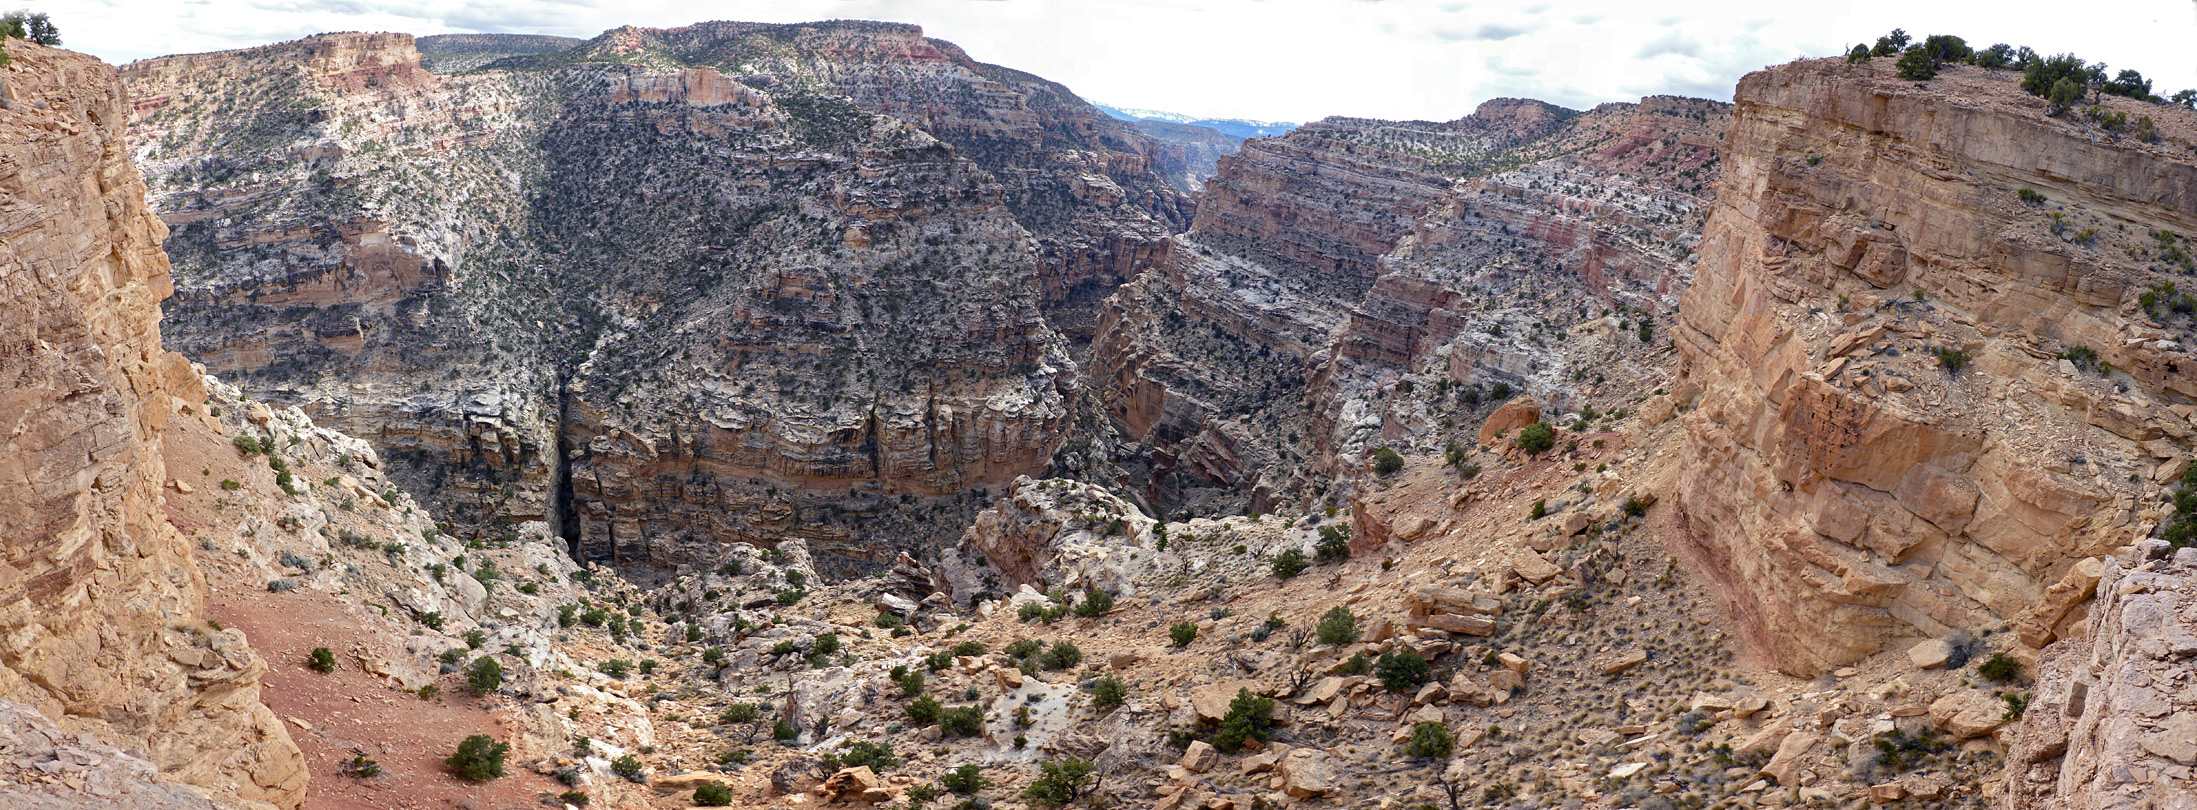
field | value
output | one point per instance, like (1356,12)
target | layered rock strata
(1339,280)
(1882,438)
(2111,723)
(721,282)
(99,596)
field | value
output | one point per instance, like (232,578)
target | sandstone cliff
(647,301)
(101,595)
(1883,439)
(2107,726)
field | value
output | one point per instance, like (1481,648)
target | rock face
(2107,726)
(1054,532)
(99,598)
(1371,264)
(1882,443)
(50,769)
(1193,152)
(664,289)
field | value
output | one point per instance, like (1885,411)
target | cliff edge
(99,595)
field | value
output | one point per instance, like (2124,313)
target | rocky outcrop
(46,768)
(1053,533)
(720,282)
(2107,726)
(99,597)
(1373,264)
(1882,439)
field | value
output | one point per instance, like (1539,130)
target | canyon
(711,382)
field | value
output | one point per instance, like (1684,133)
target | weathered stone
(1200,757)
(1306,773)
(1618,662)
(1930,653)
(1508,419)
(1968,713)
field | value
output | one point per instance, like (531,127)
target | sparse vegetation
(479,758)
(1182,633)
(321,660)
(1250,717)
(1337,627)
(1537,438)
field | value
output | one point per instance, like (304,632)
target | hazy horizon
(1296,61)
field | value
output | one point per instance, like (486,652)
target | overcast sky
(1293,60)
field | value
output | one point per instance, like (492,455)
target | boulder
(1211,701)
(1930,654)
(1618,662)
(1784,766)
(1506,420)
(1307,773)
(1200,757)
(859,784)
(1968,713)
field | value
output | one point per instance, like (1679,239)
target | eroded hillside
(653,304)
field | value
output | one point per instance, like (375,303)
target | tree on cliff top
(34,27)
(2060,79)
(1890,44)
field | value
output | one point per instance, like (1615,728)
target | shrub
(573,797)
(1859,55)
(962,721)
(2016,706)
(616,667)
(484,676)
(865,754)
(1334,544)
(712,794)
(1061,782)
(1095,604)
(34,27)
(740,713)
(432,620)
(1109,692)
(924,710)
(1999,668)
(826,644)
(1537,438)
(1249,717)
(1063,655)
(1540,509)
(361,767)
(965,780)
(1953,360)
(474,639)
(628,766)
(479,758)
(1183,633)
(783,731)
(939,660)
(1635,507)
(1890,44)
(2031,196)
(2045,76)
(1338,626)
(1430,741)
(971,648)
(1386,461)
(1916,65)
(1289,563)
(1402,670)
(321,660)
(2127,84)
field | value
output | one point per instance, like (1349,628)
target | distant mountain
(1238,127)
(457,53)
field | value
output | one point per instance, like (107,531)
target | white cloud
(1270,59)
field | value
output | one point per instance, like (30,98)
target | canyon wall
(2111,724)
(727,281)
(1922,378)
(1339,279)
(99,596)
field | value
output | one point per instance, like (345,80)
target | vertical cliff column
(99,596)
(1884,442)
